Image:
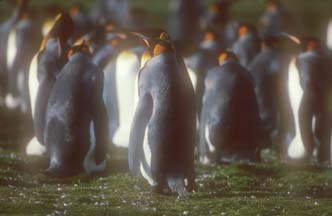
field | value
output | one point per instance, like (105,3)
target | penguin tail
(177,185)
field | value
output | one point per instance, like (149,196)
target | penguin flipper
(140,121)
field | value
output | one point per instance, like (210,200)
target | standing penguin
(204,59)
(275,19)
(248,44)
(44,70)
(76,118)
(5,29)
(230,127)
(310,79)
(269,70)
(119,91)
(162,136)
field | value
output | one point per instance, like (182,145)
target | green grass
(240,189)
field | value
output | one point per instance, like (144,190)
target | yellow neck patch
(222,57)
(159,49)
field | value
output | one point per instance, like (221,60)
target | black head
(82,47)
(63,27)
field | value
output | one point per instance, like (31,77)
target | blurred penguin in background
(81,21)
(119,92)
(269,70)
(184,21)
(204,59)
(275,19)
(248,44)
(22,45)
(230,127)
(310,95)
(44,70)
(110,11)
(5,28)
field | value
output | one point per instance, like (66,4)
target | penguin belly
(33,83)
(127,68)
(329,35)
(295,91)
(11,49)
(145,166)
(34,147)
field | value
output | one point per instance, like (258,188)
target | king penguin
(162,135)
(230,127)
(76,118)
(44,69)
(309,87)
(119,92)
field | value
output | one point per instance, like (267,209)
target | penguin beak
(291,37)
(143,38)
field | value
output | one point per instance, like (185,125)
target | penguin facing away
(269,70)
(230,127)
(248,44)
(44,68)
(162,135)
(76,119)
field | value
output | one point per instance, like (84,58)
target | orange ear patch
(164,36)
(213,9)
(70,53)
(158,49)
(222,57)
(209,36)
(243,30)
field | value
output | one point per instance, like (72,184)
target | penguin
(248,44)
(22,45)
(110,11)
(230,126)
(310,94)
(184,20)
(82,24)
(329,35)
(44,70)
(162,135)
(5,30)
(119,91)
(276,19)
(204,59)
(269,70)
(76,118)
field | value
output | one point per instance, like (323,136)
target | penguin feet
(35,148)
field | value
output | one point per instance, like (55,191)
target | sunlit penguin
(163,131)
(22,45)
(275,19)
(248,44)
(201,62)
(230,127)
(309,87)
(44,69)
(5,29)
(184,20)
(76,119)
(119,91)
(269,70)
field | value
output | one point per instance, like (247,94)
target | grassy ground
(262,189)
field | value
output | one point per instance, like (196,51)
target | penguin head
(244,29)
(225,56)
(306,43)
(63,27)
(82,47)
(75,10)
(272,6)
(209,36)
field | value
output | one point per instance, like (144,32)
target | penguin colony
(213,87)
